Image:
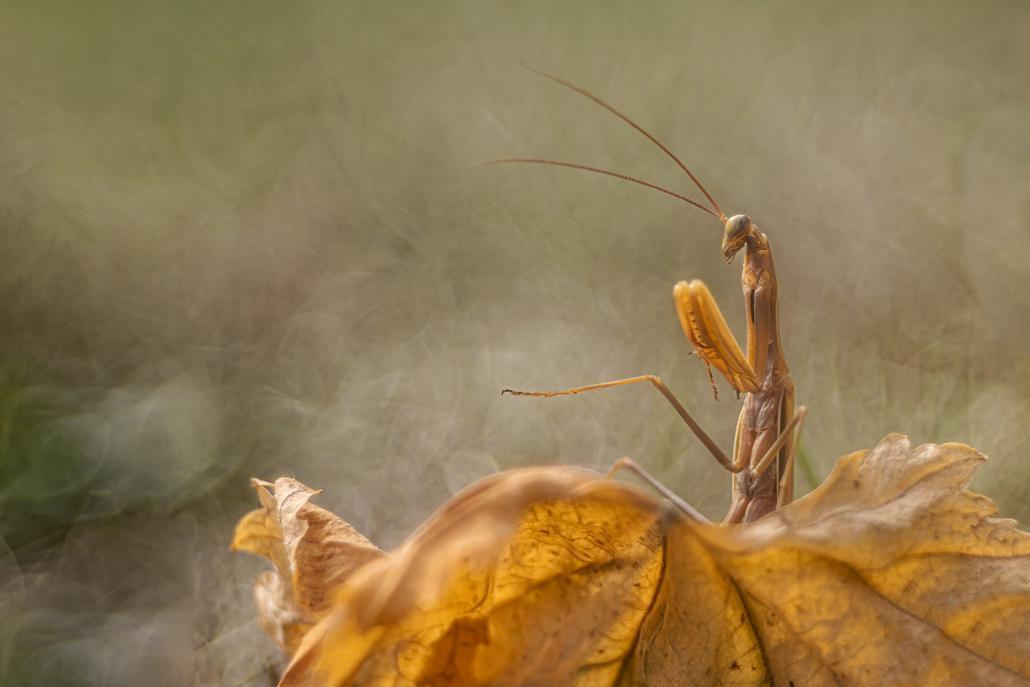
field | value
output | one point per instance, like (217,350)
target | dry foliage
(313,551)
(890,573)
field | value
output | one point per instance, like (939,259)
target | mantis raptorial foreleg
(712,447)
(705,326)
(631,465)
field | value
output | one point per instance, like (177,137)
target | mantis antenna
(587,94)
(598,170)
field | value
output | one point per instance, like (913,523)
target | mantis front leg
(705,326)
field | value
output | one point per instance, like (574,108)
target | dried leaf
(527,574)
(313,551)
(890,573)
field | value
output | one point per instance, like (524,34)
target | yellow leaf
(313,552)
(890,573)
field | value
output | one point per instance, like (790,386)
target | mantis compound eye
(737,226)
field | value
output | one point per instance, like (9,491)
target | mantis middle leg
(709,443)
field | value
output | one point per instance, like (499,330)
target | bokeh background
(247,239)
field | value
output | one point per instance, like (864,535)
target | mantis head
(735,233)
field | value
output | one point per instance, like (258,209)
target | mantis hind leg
(705,326)
(631,465)
(785,488)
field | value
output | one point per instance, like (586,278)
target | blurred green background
(246,239)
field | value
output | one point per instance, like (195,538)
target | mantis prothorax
(769,425)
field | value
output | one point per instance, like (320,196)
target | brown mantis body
(768,426)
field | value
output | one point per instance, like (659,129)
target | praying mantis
(769,426)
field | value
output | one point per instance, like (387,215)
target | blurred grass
(244,239)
